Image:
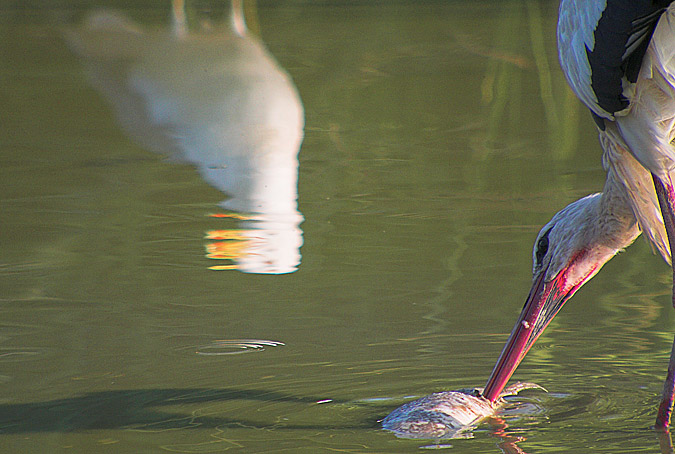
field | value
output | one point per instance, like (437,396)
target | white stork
(619,58)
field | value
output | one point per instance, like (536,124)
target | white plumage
(644,131)
(629,84)
(647,127)
(575,35)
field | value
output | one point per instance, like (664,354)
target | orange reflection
(236,247)
(261,246)
(237,216)
(228,234)
(508,441)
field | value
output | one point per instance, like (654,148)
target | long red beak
(543,303)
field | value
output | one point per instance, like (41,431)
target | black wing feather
(621,39)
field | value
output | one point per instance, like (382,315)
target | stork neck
(615,215)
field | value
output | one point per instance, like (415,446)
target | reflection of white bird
(216,99)
(621,64)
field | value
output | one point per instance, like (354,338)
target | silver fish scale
(447,414)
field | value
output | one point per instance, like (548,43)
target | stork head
(568,252)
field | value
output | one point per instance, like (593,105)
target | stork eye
(542,247)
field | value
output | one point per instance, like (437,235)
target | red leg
(666,196)
(666,406)
(665,442)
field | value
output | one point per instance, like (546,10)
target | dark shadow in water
(141,409)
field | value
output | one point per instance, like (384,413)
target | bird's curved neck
(615,217)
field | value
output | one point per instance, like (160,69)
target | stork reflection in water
(619,58)
(212,96)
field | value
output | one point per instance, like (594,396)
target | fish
(447,414)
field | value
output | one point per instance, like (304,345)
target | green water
(438,138)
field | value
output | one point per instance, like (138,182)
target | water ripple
(21,353)
(236,347)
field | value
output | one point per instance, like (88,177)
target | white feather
(638,187)
(640,140)
(648,126)
(577,21)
